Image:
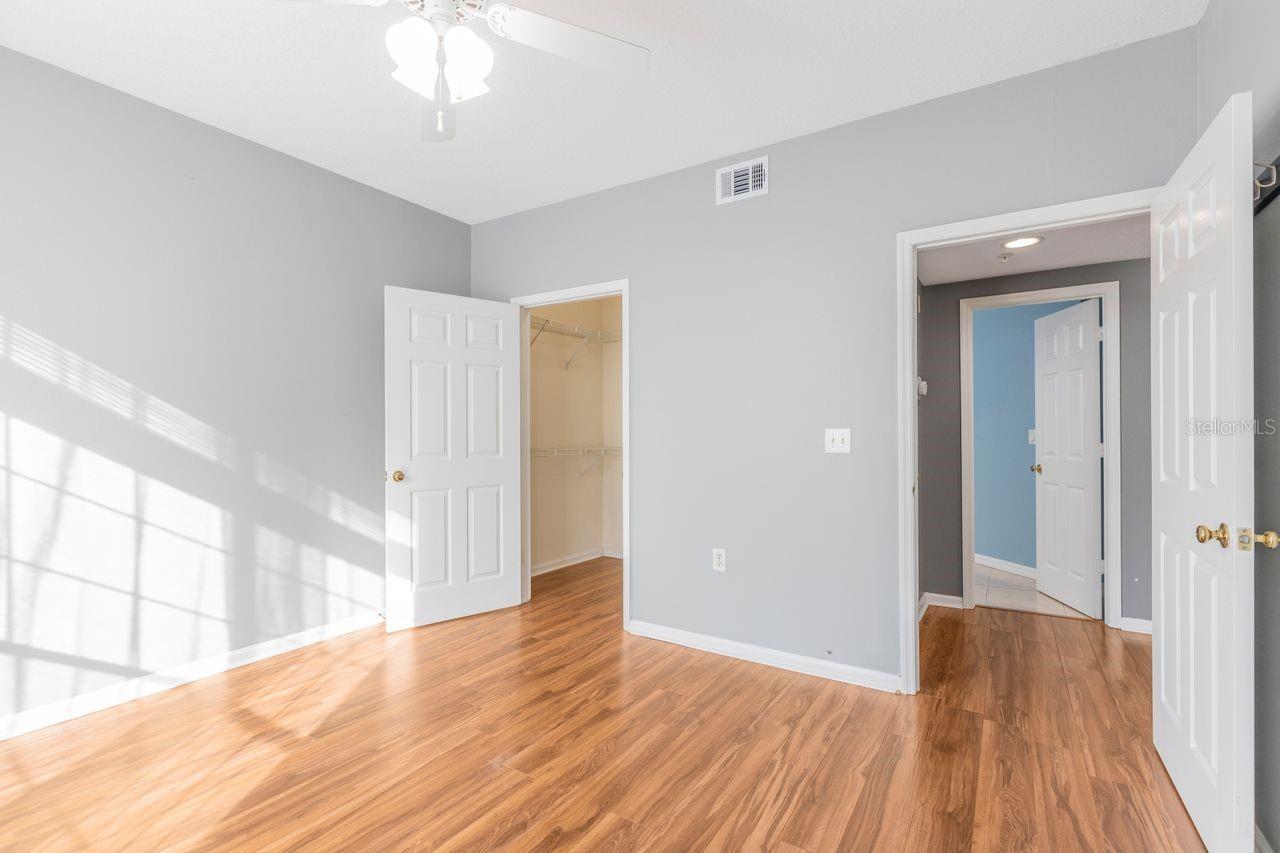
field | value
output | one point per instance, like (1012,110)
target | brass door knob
(1267,539)
(398,476)
(1222,534)
(1037,468)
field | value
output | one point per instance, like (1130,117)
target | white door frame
(1098,209)
(1109,292)
(555,297)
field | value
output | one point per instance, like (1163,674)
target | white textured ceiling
(311,80)
(1073,246)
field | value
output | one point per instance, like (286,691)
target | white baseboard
(1005,566)
(847,673)
(1260,841)
(116,694)
(566,562)
(1141,626)
(613,551)
(938,600)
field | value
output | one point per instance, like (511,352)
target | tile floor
(995,588)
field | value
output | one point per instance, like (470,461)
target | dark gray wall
(940,504)
(191,385)
(755,325)
(1266,389)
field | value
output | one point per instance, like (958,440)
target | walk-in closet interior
(575,431)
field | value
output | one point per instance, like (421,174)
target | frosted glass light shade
(469,59)
(412,44)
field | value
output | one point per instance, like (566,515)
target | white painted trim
(1109,293)
(1260,841)
(617,287)
(1131,623)
(566,562)
(937,599)
(1005,566)
(613,551)
(1072,213)
(23,722)
(844,672)
(573,294)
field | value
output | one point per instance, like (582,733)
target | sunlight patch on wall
(108,574)
(319,499)
(45,359)
(299,584)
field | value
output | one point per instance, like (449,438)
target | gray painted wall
(940,504)
(190,385)
(1236,52)
(757,324)
(1266,391)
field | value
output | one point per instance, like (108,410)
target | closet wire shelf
(538,325)
(576,451)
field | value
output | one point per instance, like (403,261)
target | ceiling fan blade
(567,40)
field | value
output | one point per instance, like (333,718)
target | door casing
(618,287)
(1100,209)
(1109,293)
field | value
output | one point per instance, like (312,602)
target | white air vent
(742,180)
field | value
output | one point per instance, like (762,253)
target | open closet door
(452,456)
(1202,479)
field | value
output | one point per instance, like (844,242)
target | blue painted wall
(1004,408)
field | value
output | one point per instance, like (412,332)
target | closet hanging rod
(576,451)
(544,324)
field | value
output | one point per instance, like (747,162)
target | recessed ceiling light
(1023,242)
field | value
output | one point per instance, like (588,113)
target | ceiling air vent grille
(742,180)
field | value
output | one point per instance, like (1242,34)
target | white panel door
(452,431)
(1201,383)
(1068,457)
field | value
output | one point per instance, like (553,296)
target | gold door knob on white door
(1222,534)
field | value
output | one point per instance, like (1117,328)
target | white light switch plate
(1031,436)
(838,440)
(719,562)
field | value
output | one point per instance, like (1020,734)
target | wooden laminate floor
(547,727)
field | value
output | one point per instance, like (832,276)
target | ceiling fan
(445,62)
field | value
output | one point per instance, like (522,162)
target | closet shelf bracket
(578,351)
(539,332)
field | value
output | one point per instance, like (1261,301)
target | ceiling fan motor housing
(442,14)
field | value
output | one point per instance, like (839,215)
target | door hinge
(1100,333)
(1102,448)
(919,304)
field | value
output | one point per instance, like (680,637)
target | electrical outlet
(837,440)
(719,562)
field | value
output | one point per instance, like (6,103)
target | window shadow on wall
(135,537)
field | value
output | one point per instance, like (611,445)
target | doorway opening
(1034,398)
(574,413)
(1020,435)
(918,465)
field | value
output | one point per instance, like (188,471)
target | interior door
(1068,457)
(1202,474)
(452,456)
